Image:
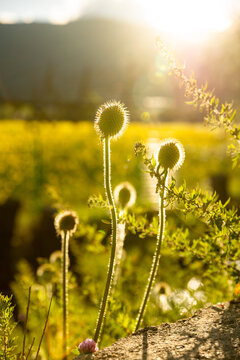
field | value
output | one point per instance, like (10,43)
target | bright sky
(181,18)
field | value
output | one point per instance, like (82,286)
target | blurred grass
(60,163)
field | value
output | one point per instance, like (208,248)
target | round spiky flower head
(111,119)
(66,221)
(125,195)
(171,154)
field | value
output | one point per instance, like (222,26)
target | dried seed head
(87,346)
(66,221)
(111,119)
(125,195)
(171,154)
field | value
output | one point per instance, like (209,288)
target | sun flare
(187,19)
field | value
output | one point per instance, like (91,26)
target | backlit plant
(215,246)
(216,114)
(8,339)
(125,195)
(111,120)
(170,157)
(7,326)
(66,224)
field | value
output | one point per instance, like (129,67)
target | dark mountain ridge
(44,60)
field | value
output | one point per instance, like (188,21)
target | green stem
(65,243)
(156,257)
(107,185)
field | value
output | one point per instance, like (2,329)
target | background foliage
(54,165)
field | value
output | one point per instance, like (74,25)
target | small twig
(30,349)
(26,321)
(44,329)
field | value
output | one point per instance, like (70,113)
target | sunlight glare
(7,17)
(188,20)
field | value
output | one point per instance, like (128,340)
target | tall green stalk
(65,245)
(156,257)
(110,122)
(107,185)
(170,158)
(66,224)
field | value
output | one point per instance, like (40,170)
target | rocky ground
(211,333)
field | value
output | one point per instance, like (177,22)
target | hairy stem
(65,243)
(121,233)
(107,185)
(156,257)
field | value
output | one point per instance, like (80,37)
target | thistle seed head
(111,119)
(66,221)
(125,195)
(171,154)
(87,346)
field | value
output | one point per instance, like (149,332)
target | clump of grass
(170,158)
(66,224)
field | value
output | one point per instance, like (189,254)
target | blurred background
(60,60)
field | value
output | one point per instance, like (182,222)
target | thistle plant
(125,195)
(111,120)
(170,158)
(66,224)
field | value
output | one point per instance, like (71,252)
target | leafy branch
(7,326)
(97,201)
(216,114)
(217,243)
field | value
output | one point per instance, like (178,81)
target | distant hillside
(98,59)
(63,62)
